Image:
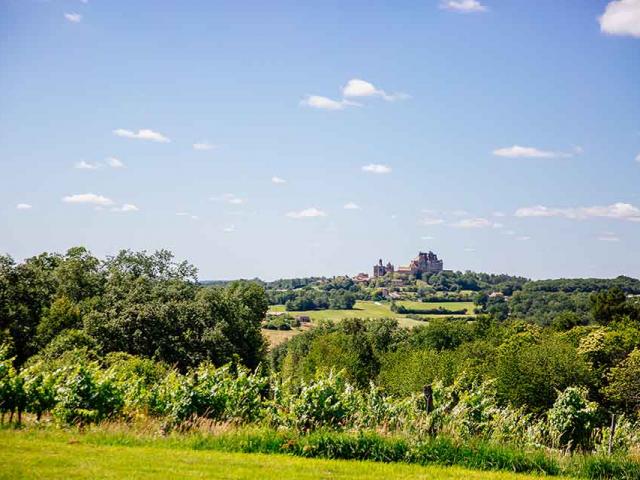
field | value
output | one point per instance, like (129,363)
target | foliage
(624,383)
(572,418)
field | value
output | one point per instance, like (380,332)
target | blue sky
(504,136)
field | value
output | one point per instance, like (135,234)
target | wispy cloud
(311,212)
(143,134)
(23,206)
(429,220)
(608,237)
(426,237)
(460,213)
(82,165)
(111,162)
(88,198)
(278,180)
(229,229)
(523,238)
(376,168)
(230,198)
(114,162)
(351,206)
(126,207)
(621,17)
(463,6)
(473,223)
(73,17)
(202,146)
(638,158)
(620,211)
(361,88)
(326,103)
(185,214)
(516,151)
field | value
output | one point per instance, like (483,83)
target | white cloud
(621,17)
(126,207)
(185,214)
(523,238)
(229,229)
(431,221)
(82,165)
(143,134)
(278,180)
(73,17)
(426,238)
(114,162)
(472,223)
(469,249)
(230,198)
(638,158)
(203,146)
(233,200)
(463,6)
(608,237)
(619,210)
(90,198)
(459,213)
(23,206)
(361,88)
(516,151)
(351,206)
(499,214)
(376,168)
(325,103)
(311,212)
(509,232)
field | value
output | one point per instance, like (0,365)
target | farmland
(371,309)
(366,310)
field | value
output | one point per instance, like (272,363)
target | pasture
(365,309)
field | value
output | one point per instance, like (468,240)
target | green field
(365,309)
(446,305)
(29,455)
(368,309)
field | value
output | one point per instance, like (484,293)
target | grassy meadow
(370,309)
(71,455)
(365,309)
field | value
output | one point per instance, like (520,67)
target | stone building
(424,263)
(381,270)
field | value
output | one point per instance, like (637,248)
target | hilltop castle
(423,263)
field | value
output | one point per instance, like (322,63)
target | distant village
(425,262)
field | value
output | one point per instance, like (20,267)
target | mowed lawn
(67,456)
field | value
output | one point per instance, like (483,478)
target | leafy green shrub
(226,393)
(571,418)
(328,401)
(85,395)
(12,395)
(39,387)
